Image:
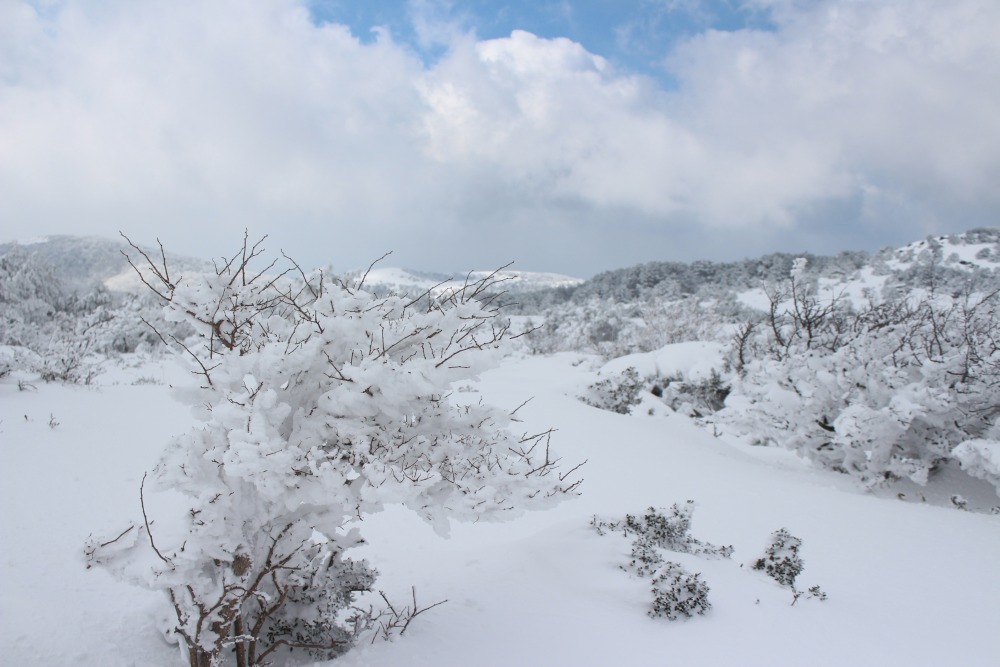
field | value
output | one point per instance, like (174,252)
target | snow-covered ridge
(82,262)
(34,240)
(974,249)
(404,280)
(967,252)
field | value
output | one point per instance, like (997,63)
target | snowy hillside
(544,589)
(784,461)
(971,250)
(81,262)
(416,282)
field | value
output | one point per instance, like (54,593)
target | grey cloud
(192,121)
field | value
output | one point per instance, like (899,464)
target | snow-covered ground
(908,583)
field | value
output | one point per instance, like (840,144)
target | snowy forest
(244,461)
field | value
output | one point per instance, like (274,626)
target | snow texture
(540,590)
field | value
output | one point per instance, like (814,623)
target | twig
(370,267)
(142,503)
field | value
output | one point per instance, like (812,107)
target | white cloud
(192,120)
(888,96)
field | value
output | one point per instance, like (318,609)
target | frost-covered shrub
(321,403)
(695,398)
(11,359)
(672,531)
(677,592)
(980,458)
(646,557)
(617,393)
(614,328)
(781,561)
(884,392)
(621,390)
(67,331)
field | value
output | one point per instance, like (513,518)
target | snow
(856,290)
(908,583)
(980,458)
(694,360)
(956,252)
(755,298)
(967,253)
(126,281)
(58,484)
(34,240)
(519,281)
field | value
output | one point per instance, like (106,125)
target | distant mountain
(82,262)
(945,261)
(974,249)
(408,282)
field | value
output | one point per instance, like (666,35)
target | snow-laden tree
(884,391)
(321,403)
(60,334)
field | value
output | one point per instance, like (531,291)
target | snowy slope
(973,249)
(964,253)
(82,262)
(909,584)
(404,281)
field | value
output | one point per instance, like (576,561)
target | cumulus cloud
(193,120)
(878,100)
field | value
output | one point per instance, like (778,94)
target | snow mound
(694,360)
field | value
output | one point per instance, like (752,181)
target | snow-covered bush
(67,332)
(621,390)
(677,592)
(613,329)
(886,391)
(617,393)
(781,561)
(321,403)
(694,397)
(980,458)
(672,531)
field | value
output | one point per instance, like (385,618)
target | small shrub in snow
(617,393)
(622,391)
(781,562)
(671,531)
(646,557)
(695,398)
(677,592)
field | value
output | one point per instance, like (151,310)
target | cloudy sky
(571,136)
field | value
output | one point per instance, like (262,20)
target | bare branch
(370,267)
(142,504)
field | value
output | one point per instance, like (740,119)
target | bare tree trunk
(241,647)
(199,657)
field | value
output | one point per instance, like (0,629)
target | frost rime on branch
(321,403)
